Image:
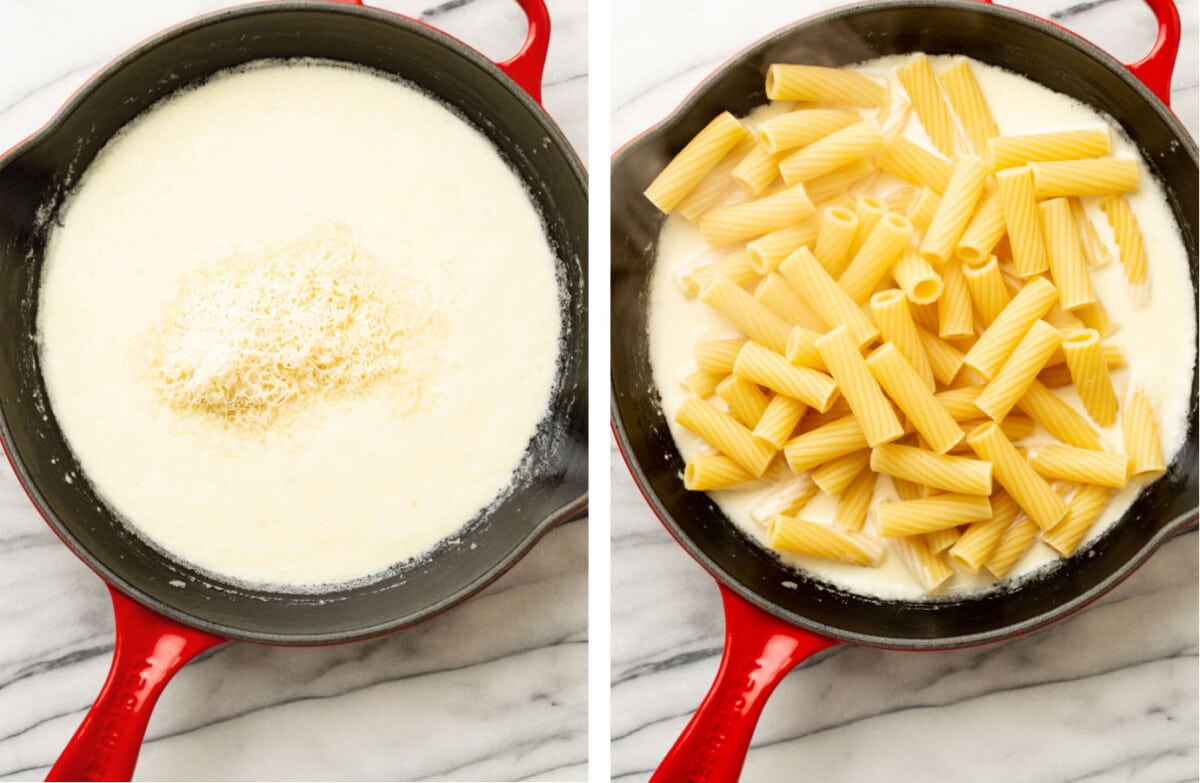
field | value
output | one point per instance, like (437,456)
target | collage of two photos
(573,391)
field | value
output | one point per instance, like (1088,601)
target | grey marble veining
(494,690)
(1107,695)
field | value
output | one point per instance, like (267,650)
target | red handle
(759,650)
(149,650)
(1154,70)
(526,66)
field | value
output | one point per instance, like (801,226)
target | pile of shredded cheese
(265,330)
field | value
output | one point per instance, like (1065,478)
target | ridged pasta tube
(778,419)
(820,84)
(1011,471)
(1063,248)
(955,210)
(1084,508)
(1008,151)
(746,313)
(1085,466)
(825,297)
(953,474)
(929,569)
(837,149)
(825,541)
(777,296)
(835,238)
(745,400)
(913,397)
(801,128)
(1015,542)
(859,387)
(1142,441)
(924,515)
(997,342)
(988,292)
(713,471)
(1019,371)
(768,251)
(1023,221)
(695,160)
(1092,177)
(1057,417)
(829,441)
(891,235)
(918,279)
(834,476)
(767,368)
(980,538)
(726,225)
(717,356)
(726,434)
(1085,359)
(930,105)
(890,310)
(965,97)
(983,231)
(956,318)
(1129,238)
(912,162)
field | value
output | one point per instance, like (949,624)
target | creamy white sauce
(261,155)
(1157,332)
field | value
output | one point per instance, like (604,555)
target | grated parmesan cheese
(264,331)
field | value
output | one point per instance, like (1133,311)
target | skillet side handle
(526,66)
(149,650)
(759,650)
(1154,70)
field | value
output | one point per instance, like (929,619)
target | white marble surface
(495,690)
(1107,695)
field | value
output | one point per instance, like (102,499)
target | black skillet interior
(36,176)
(993,35)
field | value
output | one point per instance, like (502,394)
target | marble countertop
(1107,695)
(495,690)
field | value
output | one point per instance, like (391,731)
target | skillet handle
(149,650)
(1154,70)
(526,66)
(759,650)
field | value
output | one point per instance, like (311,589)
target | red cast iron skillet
(160,626)
(776,617)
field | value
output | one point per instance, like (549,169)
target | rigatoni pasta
(1018,201)
(726,433)
(901,382)
(918,296)
(859,387)
(826,154)
(890,310)
(1092,177)
(801,128)
(822,85)
(970,105)
(713,471)
(955,209)
(726,225)
(1008,151)
(835,239)
(929,103)
(695,160)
